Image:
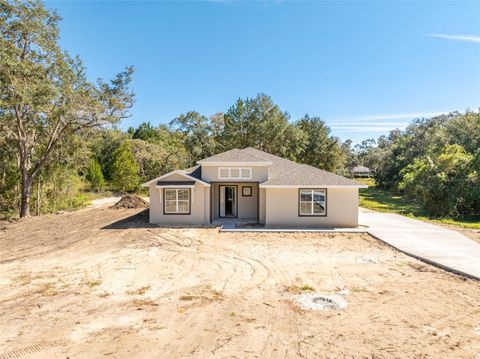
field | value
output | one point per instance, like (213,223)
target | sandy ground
(103,283)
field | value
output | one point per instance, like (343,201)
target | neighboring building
(362,172)
(254,186)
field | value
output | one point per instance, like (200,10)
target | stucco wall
(282,208)
(262,205)
(247,206)
(200,206)
(210,173)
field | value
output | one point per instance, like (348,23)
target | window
(312,202)
(177,201)
(223,173)
(247,191)
(234,173)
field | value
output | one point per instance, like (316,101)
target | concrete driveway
(436,244)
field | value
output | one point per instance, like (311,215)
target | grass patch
(47,290)
(139,291)
(299,289)
(381,200)
(91,283)
(307,288)
(23,279)
(140,303)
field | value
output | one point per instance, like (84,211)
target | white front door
(228,201)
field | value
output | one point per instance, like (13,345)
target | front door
(228,201)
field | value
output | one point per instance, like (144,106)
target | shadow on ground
(138,220)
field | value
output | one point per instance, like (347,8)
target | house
(362,172)
(250,185)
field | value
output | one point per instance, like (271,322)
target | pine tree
(125,169)
(95,175)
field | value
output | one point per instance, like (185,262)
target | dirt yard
(103,283)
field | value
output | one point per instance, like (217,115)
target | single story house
(362,172)
(250,185)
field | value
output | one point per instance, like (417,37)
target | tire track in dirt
(197,324)
(18,241)
(36,348)
(281,324)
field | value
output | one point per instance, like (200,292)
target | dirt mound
(129,201)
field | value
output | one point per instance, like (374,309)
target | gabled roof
(234,156)
(195,172)
(284,172)
(279,165)
(281,172)
(305,176)
(189,174)
(175,183)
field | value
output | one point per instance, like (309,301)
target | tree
(321,150)
(94,175)
(447,184)
(145,131)
(44,93)
(257,122)
(198,132)
(424,137)
(125,169)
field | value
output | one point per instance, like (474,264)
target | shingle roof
(279,165)
(234,155)
(281,172)
(305,175)
(175,183)
(195,172)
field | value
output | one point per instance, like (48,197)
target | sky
(365,68)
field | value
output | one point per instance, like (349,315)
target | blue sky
(363,67)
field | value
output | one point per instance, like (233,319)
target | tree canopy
(45,96)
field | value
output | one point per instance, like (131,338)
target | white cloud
(377,123)
(390,116)
(469,38)
(365,129)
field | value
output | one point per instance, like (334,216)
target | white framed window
(176,201)
(240,173)
(312,202)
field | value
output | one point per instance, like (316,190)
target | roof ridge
(260,157)
(269,154)
(290,169)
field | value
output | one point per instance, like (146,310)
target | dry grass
(47,290)
(91,283)
(140,303)
(139,291)
(295,289)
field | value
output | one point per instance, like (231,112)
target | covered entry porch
(234,202)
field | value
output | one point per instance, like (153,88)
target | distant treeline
(435,161)
(59,138)
(108,158)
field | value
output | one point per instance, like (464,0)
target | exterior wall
(247,206)
(262,205)
(282,208)
(199,207)
(210,174)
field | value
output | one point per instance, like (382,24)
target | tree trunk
(25,202)
(26,193)
(38,195)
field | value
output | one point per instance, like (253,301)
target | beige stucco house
(253,186)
